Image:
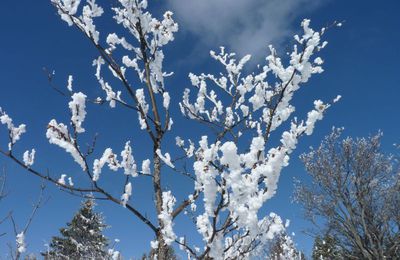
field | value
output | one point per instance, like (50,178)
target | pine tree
(326,248)
(82,238)
(283,248)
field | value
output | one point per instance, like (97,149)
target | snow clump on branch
(21,246)
(14,132)
(58,134)
(78,112)
(29,158)
(166,218)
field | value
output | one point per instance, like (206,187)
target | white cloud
(245,26)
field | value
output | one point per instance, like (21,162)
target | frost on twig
(21,246)
(166,218)
(14,132)
(58,134)
(29,158)
(146,167)
(165,158)
(128,162)
(77,107)
(108,157)
(128,192)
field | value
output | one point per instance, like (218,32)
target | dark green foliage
(82,238)
(326,248)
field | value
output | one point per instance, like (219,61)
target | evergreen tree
(82,238)
(326,248)
(283,248)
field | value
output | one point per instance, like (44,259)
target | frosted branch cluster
(235,172)
(58,134)
(13,132)
(241,182)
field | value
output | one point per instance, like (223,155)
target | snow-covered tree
(235,166)
(355,194)
(283,248)
(326,248)
(82,238)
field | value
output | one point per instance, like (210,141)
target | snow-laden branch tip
(58,134)
(128,162)
(146,167)
(20,240)
(68,9)
(78,112)
(61,180)
(166,100)
(314,115)
(143,106)
(108,157)
(165,158)
(337,98)
(14,132)
(111,95)
(29,158)
(69,83)
(127,194)
(70,182)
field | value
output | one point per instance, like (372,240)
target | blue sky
(361,64)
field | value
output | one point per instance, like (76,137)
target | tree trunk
(162,250)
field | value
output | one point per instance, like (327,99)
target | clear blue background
(361,64)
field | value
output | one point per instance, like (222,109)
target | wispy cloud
(245,26)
